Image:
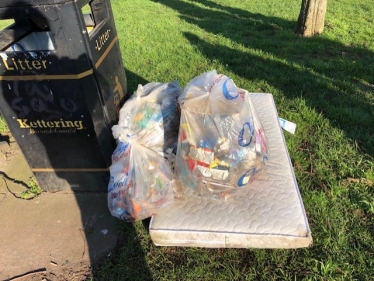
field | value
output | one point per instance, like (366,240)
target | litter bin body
(62,85)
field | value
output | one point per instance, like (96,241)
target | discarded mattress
(271,215)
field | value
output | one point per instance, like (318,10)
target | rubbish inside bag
(141,179)
(216,144)
(222,145)
(151,114)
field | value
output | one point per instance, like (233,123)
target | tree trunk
(311,18)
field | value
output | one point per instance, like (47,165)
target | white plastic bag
(152,115)
(221,145)
(141,181)
(141,178)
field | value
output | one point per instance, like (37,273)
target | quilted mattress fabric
(270,215)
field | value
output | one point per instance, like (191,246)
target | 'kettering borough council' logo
(60,126)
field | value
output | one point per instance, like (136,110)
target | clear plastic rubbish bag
(222,146)
(141,178)
(152,114)
(141,181)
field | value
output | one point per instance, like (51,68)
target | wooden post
(311,18)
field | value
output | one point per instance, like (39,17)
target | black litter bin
(62,85)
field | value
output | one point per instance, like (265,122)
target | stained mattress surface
(270,215)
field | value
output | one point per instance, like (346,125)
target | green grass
(33,189)
(6,23)
(325,84)
(3,126)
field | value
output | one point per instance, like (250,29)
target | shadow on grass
(127,261)
(335,79)
(133,80)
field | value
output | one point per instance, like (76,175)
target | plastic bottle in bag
(141,177)
(222,145)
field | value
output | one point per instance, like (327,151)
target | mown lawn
(325,84)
